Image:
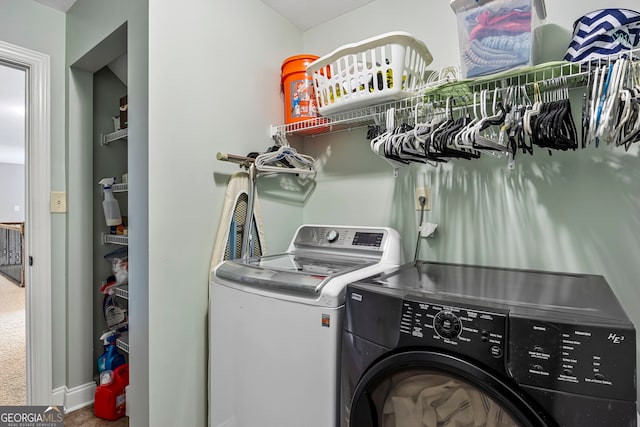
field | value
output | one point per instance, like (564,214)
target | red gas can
(109,402)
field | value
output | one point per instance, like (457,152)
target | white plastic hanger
(533,111)
(302,164)
(611,102)
(462,139)
(377,144)
(598,81)
(490,141)
(625,101)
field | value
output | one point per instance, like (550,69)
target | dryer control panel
(476,333)
(584,359)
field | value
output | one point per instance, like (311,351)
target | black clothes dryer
(434,344)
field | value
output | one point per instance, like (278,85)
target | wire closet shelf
(548,76)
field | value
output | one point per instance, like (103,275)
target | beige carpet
(13,371)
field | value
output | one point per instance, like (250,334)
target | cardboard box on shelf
(124,106)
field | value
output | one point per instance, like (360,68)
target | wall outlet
(58,202)
(426,193)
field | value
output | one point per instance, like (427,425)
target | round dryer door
(429,389)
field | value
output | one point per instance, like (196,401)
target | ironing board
(231,231)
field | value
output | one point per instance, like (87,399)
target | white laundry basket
(387,67)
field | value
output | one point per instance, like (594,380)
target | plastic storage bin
(387,67)
(497,35)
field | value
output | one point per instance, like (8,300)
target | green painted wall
(18,19)
(108,161)
(89,22)
(214,87)
(572,212)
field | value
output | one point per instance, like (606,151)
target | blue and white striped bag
(604,32)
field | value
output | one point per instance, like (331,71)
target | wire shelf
(347,120)
(123,342)
(120,188)
(550,75)
(115,239)
(122,291)
(114,136)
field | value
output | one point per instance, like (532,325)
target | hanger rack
(243,161)
(573,74)
(283,160)
(438,125)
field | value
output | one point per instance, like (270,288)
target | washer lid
(293,273)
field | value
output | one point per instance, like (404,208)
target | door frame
(38,220)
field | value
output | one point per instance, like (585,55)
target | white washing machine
(275,325)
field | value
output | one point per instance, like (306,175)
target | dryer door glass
(420,398)
(431,389)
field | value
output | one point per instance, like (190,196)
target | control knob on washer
(332,236)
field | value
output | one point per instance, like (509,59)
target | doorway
(13,375)
(37,236)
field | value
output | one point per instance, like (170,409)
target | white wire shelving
(122,291)
(122,342)
(120,188)
(548,76)
(115,239)
(114,136)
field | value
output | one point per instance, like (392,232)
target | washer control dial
(332,236)
(447,324)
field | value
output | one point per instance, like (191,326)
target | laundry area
(489,315)
(363,213)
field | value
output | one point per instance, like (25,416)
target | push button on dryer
(495,351)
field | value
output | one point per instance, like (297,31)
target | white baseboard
(74,398)
(57,396)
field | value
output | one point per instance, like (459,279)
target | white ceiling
(304,14)
(307,14)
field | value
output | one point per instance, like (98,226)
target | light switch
(58,202)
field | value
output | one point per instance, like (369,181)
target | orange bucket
(299,92)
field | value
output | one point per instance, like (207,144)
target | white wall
(12,143)
(574,212)
(12,192)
